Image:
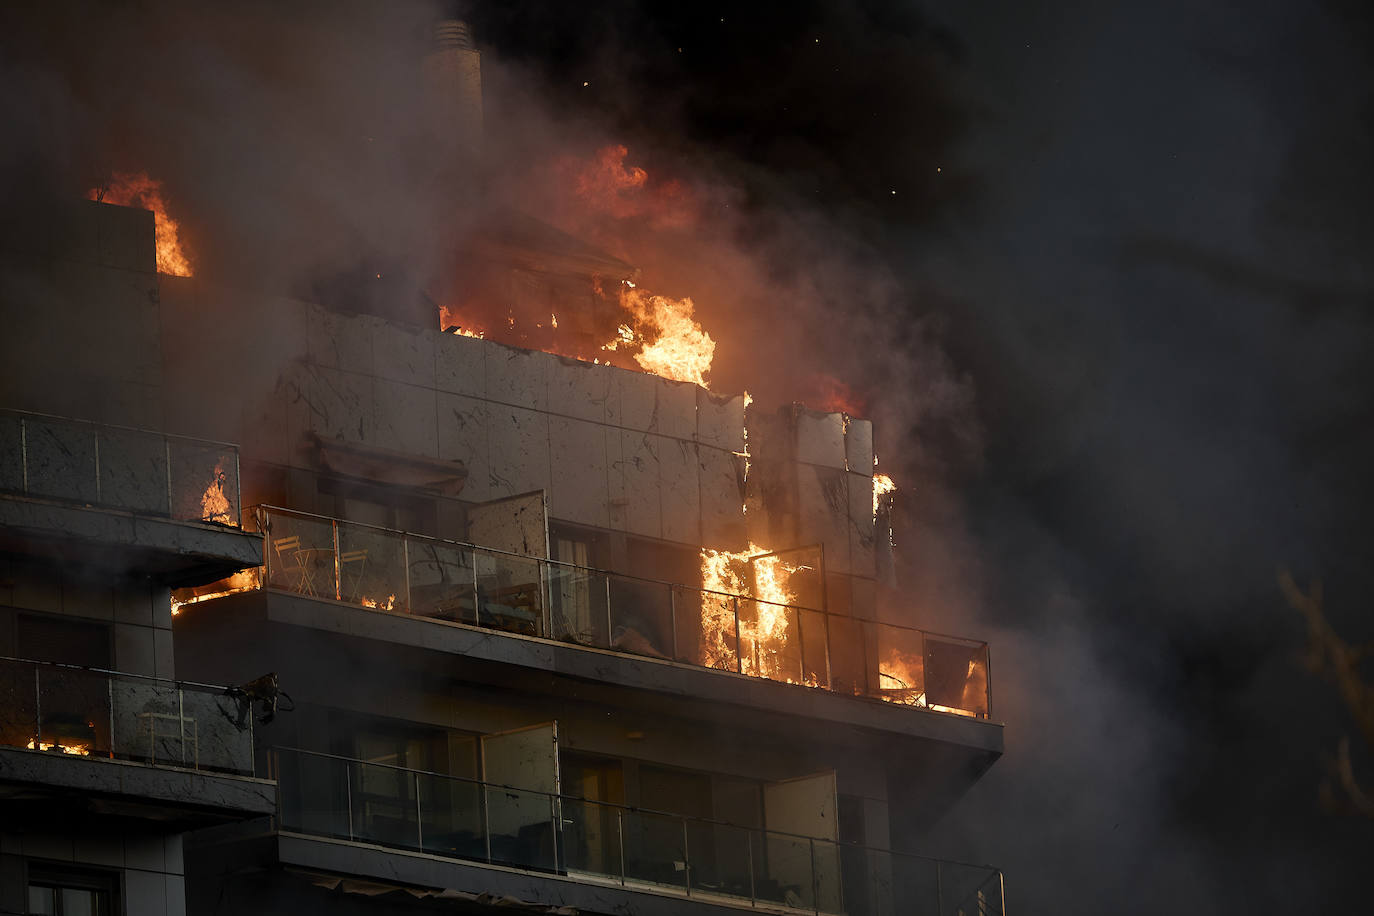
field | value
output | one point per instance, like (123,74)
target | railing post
(486,816)
(109,699)
(686,860)
(610,631)
(238,490)
(939,891)
(815,879)
(801,647)
(620,838)
(739,645)
(749,845)
(95,437)
(338,589)
(556,822)
(181,722)
(672,616)
(348,789)
(405,560)
(987,671)
(37,711)
(477,619)
(167,458)
(1001,893)
(419,820)
(24,451)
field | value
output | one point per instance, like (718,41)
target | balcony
(170,750)
(167,505)
(465,584)
(601,855)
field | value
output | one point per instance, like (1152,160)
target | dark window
(55,891)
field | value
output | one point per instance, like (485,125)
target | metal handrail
(800,662)
(227,466)
(557,818)
(122,708)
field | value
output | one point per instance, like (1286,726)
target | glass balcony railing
(89,712)
(119,468)
(463,583)
(714,861)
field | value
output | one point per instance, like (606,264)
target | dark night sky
(1143,231)
(1128,342)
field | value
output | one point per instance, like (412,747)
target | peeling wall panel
(338,405)
(639,464)
(338,341)
(679,491)
(464,435)
(518,377)
(720,421)
(578,390)
(519,450)
(722,518)
(858,445)
(638,401)
(823,514)
(860,524)
(617,508)
(820,439)
(579,488)
(460,365)
(404,418)
(676,412)
(404,355)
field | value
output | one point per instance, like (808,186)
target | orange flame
(214,504)
(607,185)
(764,619)
(388,605)
(882,486)
(136,189)
(79,750)
(671,342)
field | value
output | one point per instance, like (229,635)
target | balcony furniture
(352,563)
(182,729)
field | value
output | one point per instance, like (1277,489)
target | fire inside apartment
(410,620)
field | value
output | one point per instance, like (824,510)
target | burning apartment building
(445,606)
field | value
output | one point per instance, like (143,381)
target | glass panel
(768,640)
(442,581)
(846,655)
(956,675)
(371,567)
(815,652)
(133,471)
(786,873)
(75,712)
(42,900)
(300,555)
(147,723)
(218,732)
(204,482)
(18,713)
(384,808)
(508,590)
(78,902)
(451,817)
(314,794)
(726,871)
(828,882)
(897,660)
(591,838)
(641,617)
(718,646)
(11,454)
(522,828)
(654,851)
(579,605)
(61,459)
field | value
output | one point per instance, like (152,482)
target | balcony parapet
(607,847)
(460,583)
(120,468)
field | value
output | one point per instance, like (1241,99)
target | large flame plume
(671,343)
(766,620)
(136,189)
